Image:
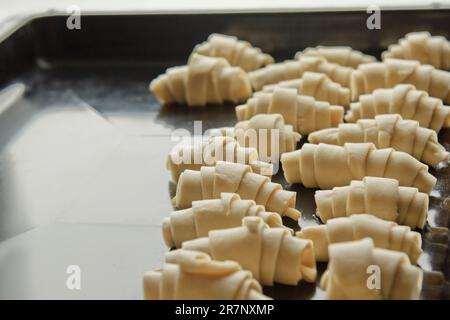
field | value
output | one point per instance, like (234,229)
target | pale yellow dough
(204,80)
(210,182)
(371,76)
(381,197)
(327,166)
(421,46)
(191,275)
(303,113)
(341,55)
(271,254)
(237,52)
(316,85)
(267,133)
(387,130)
(207,152)
(385,235)
(349,274)
(213,214)
(405,100)
(294,69)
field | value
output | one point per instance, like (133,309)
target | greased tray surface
(82,153)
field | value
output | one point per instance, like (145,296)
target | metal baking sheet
(83,143)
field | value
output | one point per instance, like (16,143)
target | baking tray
(83,143)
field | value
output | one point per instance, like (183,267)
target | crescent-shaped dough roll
(371,76)
(192,275)
(387,130)
(237,52)
(421,46)
(316,85)
(213,214)
(267,133)
(210,182)
(385,235)
(204,80)
(327,166)
(405,100)
(381,197)
(303,113)
(207,152)
(271,254)
(293,69)
(341,55)
(359,271)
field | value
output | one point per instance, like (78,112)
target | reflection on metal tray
(82,149)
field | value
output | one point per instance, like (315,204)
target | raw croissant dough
(293,69)
(279,137)
(327,166)
(316,85)
(405,100)
(272,255)
(387,130)
(341,55)
(385,235)
(381,197)
(207,152)
(423,47)
(237,52)
(192,275)
(302,112)
(349,274)
(371,76)
(213,214)
(204,80)
(210,182)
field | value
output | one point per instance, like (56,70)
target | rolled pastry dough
(213,214)
(371,76)
(351,270)
(204,80)
(192,275)
(387,130)
(267,133)
(327,166)
(303,113)
(207,152)
(272,255)
(237,52)
(316,85)
(423,47)
(341,55)
(210,182)
(385,235)
(293,69)
(381,197)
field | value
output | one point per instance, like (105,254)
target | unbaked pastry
(293,69)
(210,182)
(371,76)
(213,214)
(204,80)
(304,113)
(271,254)
(423,47)
(276,138)
(387,130)
(192,275)
(352,267)
(341,55)
(237,52)
(207,152)
(316,85)
(327,166)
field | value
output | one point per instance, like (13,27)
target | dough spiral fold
(341,55)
